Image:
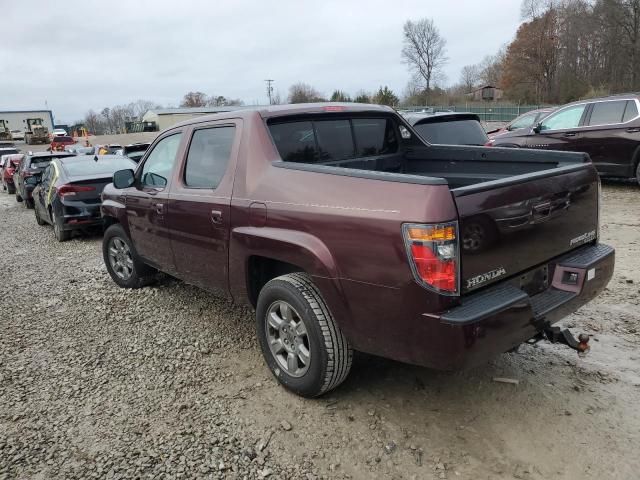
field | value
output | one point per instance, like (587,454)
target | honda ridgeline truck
(347,231)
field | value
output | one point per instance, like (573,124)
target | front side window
(604,113)
(159,164)
(567,118)
(208,156)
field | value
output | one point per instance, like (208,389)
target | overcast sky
(108,52)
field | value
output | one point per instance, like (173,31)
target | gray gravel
(169,382)
(101,382)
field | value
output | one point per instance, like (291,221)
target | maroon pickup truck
(347,231)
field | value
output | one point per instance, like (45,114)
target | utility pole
(269,89)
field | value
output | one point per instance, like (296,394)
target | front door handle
(159,208)
(633,130)
(216,217)
(569,134)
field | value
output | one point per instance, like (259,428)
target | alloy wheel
(288,339)
(120,258)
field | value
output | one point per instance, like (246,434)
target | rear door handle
(216,217)
(633,130)
(159,208)
(569,134)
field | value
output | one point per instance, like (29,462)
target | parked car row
(63,188)
(608,129)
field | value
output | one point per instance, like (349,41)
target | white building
(166,117)
(17,120)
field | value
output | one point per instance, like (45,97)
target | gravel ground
(168,382)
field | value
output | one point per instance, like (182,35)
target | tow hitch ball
(564,336)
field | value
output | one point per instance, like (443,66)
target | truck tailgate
(512,225)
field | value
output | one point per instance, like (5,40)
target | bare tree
(93,123)
(194,99)
(469,77)
(140,107)
(222,101)
(424,50)
(303,93)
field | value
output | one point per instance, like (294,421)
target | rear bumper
(79,215)
(406,325)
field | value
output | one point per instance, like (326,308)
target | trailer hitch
(564,336)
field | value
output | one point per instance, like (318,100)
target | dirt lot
(168,382)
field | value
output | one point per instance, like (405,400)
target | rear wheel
(28,202)
(122,261)
(18,197)
(58,230)
(638,173)
(300,340)
(11,189)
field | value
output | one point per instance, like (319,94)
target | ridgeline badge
(584,238)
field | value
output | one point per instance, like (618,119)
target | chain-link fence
(487,112)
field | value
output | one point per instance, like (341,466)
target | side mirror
(123,179)
(537,128)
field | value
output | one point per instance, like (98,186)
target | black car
(608,129)
(135,151)
(68,195)
(449,128)
(27,175)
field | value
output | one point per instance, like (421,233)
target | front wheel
(39,219)
(28,202)
(122,261)
(18,197)
(300,340)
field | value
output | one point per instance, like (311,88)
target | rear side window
(208,156)
(324,141)
(631,111)
(604,113)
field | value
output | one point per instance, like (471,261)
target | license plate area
(534,281)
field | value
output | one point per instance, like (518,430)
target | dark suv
(608,129)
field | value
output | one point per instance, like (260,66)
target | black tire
(638,173)
(11,189)
(141,274)
(39,219)
(28,202)
(330,355)
(18,197)
(58,231)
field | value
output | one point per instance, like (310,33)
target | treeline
(571,49)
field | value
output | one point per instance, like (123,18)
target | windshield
(91,167)
(455,132)
(63,138)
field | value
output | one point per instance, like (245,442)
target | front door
(560,130)
(199,206)
(147,203)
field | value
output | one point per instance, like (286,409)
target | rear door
(199,205)
(520,223)
(611,136)
(147,202)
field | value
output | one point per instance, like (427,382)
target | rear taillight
(67,190)
(433,255)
